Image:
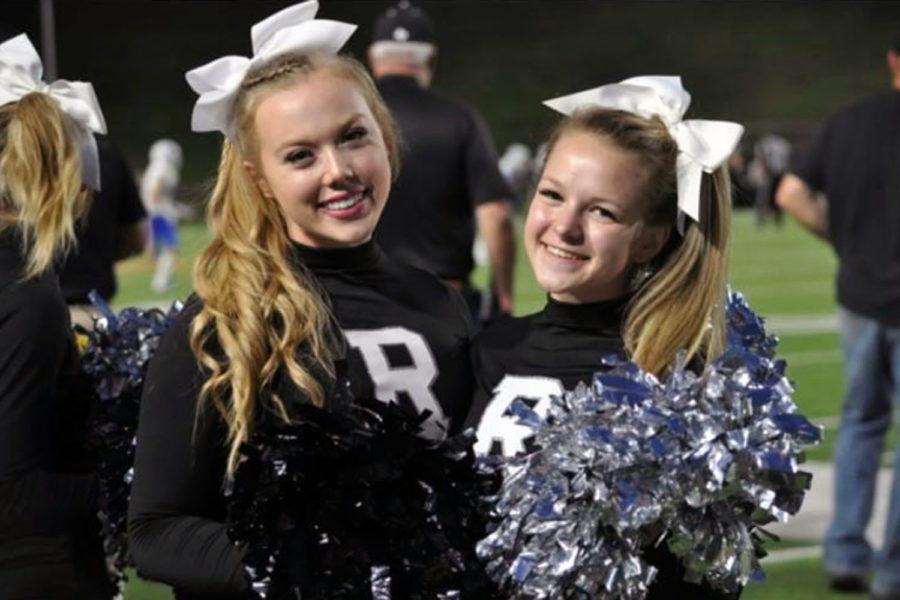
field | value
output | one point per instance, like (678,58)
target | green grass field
(785,273)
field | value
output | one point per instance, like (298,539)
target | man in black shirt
(448,166)
(855,162)
(114,228)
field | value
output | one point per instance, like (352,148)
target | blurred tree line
(777,66)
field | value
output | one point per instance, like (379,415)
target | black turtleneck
(49,535)
(408,332)
(562,342)
(557,348)
(407,335)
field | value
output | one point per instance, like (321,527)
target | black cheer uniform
(547,352)
(407,336)
(50,546)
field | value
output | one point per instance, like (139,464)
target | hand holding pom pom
(697,463)
(351,503)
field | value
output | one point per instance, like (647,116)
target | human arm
(176,513)
(495,222)
(799,201)
(493,209)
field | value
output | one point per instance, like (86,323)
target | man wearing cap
(449,167)
(855,162)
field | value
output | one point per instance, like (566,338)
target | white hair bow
(293,29)
(20,74)
(702,145)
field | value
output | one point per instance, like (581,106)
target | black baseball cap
(404,22)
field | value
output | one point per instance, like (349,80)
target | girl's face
(322,157)
(582,233)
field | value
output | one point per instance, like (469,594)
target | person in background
(114,228)
(516,167)
(449,178)
(50,546)
(742,191)
(158,189)
(846,190)
(771,159)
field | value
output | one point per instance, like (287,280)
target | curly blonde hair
(264,316)
(41,192)
(682,305)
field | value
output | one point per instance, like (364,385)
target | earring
(640,276)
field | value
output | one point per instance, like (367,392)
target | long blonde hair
(41,192)
(682,305)
(264,316)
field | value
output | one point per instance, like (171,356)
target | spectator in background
(771,159)
(854,162)
(516,166)
(449,167)
(114,228)
(158,187)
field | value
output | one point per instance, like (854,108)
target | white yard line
(805,358)
(801,324)
(798,553)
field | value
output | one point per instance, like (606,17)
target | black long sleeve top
(407,336)
(49,535)
(552,350)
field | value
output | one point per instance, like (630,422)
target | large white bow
(702,145)
(293,29)
(20,74)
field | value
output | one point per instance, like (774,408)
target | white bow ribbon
(20,74)
(702,145)
(293,29)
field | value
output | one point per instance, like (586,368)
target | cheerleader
(50,544)
(628,233)
(291,294)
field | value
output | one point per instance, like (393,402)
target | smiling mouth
(345,203)
(560,253)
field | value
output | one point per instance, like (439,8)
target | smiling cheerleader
(291,295)
(628,234)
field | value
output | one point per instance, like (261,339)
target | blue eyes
(302,155)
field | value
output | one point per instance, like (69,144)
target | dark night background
(776,66)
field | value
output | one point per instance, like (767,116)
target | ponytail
(682,306)
(41,192)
